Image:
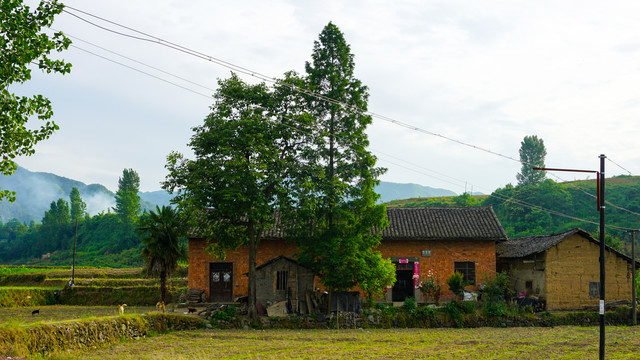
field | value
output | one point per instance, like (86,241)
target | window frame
(467,269)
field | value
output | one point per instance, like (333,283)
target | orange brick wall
(199,263)
(443,256)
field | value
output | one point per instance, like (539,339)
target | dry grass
(482,343)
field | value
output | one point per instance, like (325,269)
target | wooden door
(221,282)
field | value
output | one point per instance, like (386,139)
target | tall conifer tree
(336,193)
(127,198)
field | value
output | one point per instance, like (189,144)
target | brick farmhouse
(417,240)
(564,269)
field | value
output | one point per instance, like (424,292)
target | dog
(35,312)
(121,308)
(160,306)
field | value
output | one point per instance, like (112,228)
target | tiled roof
(525,246)
(436,223)
(445,223)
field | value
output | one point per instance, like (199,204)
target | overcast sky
(485,73)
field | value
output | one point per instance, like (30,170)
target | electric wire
(246,71)
(519,202)
(620,166)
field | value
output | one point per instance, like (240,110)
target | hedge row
(84,335)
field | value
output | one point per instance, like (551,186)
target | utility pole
(600,203)
(634,306)
(602,245)
(73,266)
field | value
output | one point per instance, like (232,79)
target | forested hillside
(36,190)
(554,207)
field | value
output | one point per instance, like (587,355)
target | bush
(469,307)
(456,283)
(494,309)
(452,310)
(498,288)
(410,304)
(424,312)
(225,314)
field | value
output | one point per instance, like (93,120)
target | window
(282,279)
(468,271)
(594,289)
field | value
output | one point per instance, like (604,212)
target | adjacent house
(417,240)
(564,269)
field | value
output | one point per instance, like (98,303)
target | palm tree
(160,232)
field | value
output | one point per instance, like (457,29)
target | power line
(157,40)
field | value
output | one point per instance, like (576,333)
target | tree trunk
(163,286)
(254,240)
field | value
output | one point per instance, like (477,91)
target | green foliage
(334,187)
(456,283)
(532,154)
(161,232)
(409,304)
(498,288)
(246,156)
(23,43)
(381,273)
(78,207)
(494,309)
(226,314)
(127,198)
(453,311)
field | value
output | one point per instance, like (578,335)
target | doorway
(404,286)
(220,282)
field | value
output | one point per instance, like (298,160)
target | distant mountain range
(36,191)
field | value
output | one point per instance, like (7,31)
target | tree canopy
(245,156)
(23,43)
(532,154)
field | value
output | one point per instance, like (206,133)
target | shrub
(498,288)
(409,304)
(456,283)
(452,310)
(494,309)
(468,307)
(225,314)
(424,312)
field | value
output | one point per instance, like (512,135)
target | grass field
(21,316)
(483,343)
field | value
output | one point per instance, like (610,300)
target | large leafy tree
(78,207)
(532,154)
(160,232)
(246,153)
(23,43)
(335,188)
(127,198)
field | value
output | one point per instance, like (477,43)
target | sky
(480,75)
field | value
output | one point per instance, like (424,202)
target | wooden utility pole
(73,266)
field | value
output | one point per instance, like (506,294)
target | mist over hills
(36,191)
